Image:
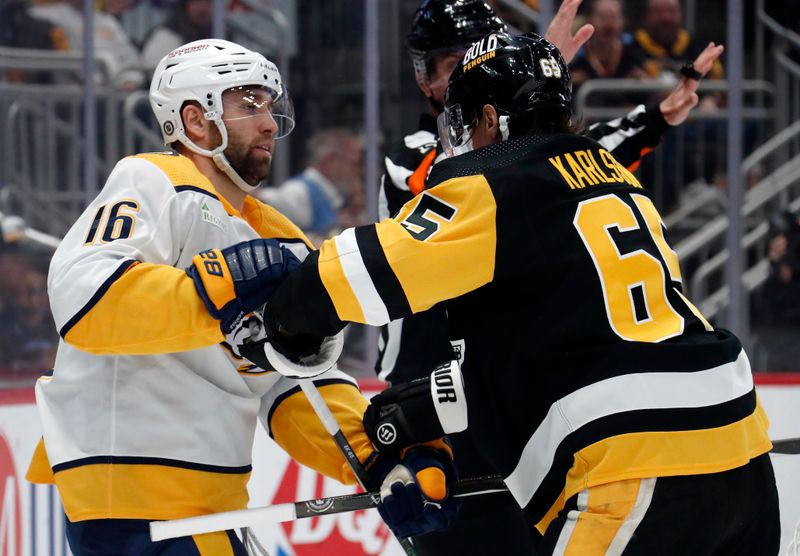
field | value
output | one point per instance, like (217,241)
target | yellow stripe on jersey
(179,169)
(458,258)
(464,242)
(150,309)
(143,491)
(335,281)
(297,429)
(213,544)
(664,454)
(608,506)
(269,223)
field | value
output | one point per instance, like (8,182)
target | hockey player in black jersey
(441,33)
(622,421)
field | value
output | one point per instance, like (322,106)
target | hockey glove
(414,496)
(419,411)
(241,278)
(269,346)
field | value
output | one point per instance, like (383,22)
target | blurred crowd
(28,338)
(58,25)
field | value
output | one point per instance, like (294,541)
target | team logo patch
(387,433)
(212,218)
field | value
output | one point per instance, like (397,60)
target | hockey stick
(786,446)
(279,513)
(332,426)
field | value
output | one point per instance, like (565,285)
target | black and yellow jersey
(584,362)
(412,346)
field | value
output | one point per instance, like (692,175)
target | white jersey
(148,414)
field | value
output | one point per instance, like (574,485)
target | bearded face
(250,161)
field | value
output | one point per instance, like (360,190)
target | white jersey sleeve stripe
(357,275)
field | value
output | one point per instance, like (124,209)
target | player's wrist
(421,411)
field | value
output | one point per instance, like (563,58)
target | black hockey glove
(419,411)
(239,279)
(268,345)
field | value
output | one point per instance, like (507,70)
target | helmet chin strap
(222,163)
(502,123)
(219,158)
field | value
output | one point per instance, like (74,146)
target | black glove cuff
(420,411)
(688,71)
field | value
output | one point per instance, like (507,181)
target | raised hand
(560,30)
(676,107)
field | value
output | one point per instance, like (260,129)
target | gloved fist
(268,345)
(241,278)
(414,496)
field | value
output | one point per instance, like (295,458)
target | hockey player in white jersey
(150,413)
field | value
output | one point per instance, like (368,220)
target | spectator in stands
(19,29)
(779,297)
(610,52)
(665,43)
(776,303)
(190,20)
(667,46)
(316,198)
(112,46)
(28,338)
(117,8)
(31,331)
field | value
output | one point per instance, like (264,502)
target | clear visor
(454,133)
(253,101)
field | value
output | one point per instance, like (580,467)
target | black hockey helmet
(518,75)
(449,25)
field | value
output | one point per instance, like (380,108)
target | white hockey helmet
(201,71)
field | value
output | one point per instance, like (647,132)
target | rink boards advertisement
(31,518)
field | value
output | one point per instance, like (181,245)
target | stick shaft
(161,530)
(786,446)
(332,426)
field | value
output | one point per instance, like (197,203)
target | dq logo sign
(10,512)
(359,533)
